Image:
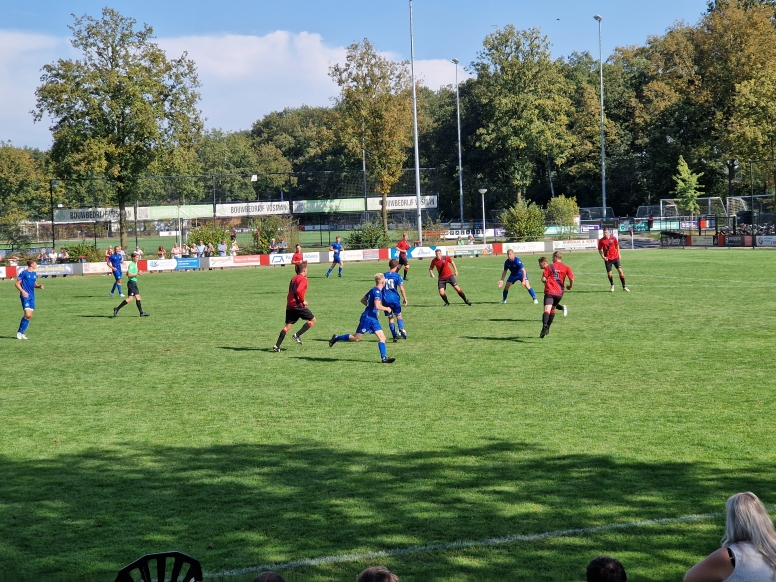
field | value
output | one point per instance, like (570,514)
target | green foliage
(371,235)
(687,188)
(524,221)
(208,233)
(265,228)
(561,211)
(12,230)
(83,249)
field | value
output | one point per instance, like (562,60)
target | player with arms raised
(373,301)
(26,283)
(517,273)
(393,286)
(553,277)
(609,249)
(336,248)
(447,270)
(296,307)
(402,247)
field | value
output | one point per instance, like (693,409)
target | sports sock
(462,295)
(383,351)
(139,308)
(120,291)
(303,329)
(114,287)
(328,272)
(545,318)
(550,319)
(340,270)
(23,325)
(401,322)
(281,337)
(444,298)
(622,280)
(122,304)
(611,281)
(406,272)
(393,328)
(343,338)
(532,292)
(504,294)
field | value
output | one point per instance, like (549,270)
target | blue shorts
(515,278)
(395,308)
(368,325)
(117,275)
(28,303)
(336,258)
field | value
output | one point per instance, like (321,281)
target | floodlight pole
(484,231)
(415,130)
(603,149)
(52,184)
(458,111)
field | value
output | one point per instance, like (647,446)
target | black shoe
(389,360)
(144,314)
(545,331)
(296,339)
(333,340)
(468,302)
(446,305)
(340,275)
(395,339)
(403,334)
(115,311)
(275,349)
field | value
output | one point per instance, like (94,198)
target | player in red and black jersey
(445,267)
(296,307)
(298,256)
(554,277)
(403,246)
(609,249)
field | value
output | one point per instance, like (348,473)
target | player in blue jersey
(26,283)
(394,285)
(369,322)
(336,248)
(114,262)
(517,273)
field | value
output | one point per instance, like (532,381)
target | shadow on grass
(245,348)
(494,338)
(98,316)
(507,320)
(83,516)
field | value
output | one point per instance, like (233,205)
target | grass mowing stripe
(338,559)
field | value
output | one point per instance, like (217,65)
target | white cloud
(243,77)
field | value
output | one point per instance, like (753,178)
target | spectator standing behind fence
(161,253)
(377,574)
(748,552)
(605,569)
(234,249)
(64,256)
(176,251)
(273,246)
(470,240)
(210,251)
(282,245)
(42,257)
(138,252)
(222,248)
(233,235)
(186,250)
(201,249)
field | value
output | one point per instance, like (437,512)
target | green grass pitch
(185,431)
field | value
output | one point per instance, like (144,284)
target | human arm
(380,307)
(525,282)
(716,567)
(455,269)
(403,294)
(570,277)
(19,287)
(501,281)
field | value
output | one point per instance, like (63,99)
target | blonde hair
(747,520)
(379,277)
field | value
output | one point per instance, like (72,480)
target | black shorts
(403,261)
(132,288)
(552,299)
(296,313)
(615,263)
(442,283)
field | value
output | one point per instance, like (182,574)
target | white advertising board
(763,241)
(96,268)
(162,265)
(574,245)
(524,247)
(401,203)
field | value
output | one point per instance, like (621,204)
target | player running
(296,307)
(609,249)
(114,262)
(336,248)
(445,267)
(26,283)
(403,246)
(517,273)
(369,322)
(553,277)
(132,274)
(393,286)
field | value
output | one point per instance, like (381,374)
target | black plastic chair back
(193,572)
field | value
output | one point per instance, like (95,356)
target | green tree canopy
(121,111)
(524,221)
(561,211)
(687,188)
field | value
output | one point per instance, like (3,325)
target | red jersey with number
(610,247)
(442,266)
(296,292)
(403,247)
(297,258)
(555,275)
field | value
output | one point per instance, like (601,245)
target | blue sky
(259,56)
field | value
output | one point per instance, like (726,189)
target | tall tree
(123,109)
(525,101)
(688,187)
(375,103)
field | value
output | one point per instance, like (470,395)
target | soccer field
(185,431)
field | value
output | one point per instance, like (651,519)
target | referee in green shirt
(132,293)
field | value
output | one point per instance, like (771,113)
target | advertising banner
(252,208)
(184,211)
(574,245)
(212,262)
(475,232)
(348,256)
(91,214)
(96,268)
(524,247)
(2,272)
(47,270)
(335,205)
(280,258)
(469,250)
(186,264)
(702,241)
(401,203)
(734,241)
(246,260)
(766,241)
(162,264)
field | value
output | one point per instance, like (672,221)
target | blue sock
(328,272)
(23,324)
(120,291)
(533,294)
(401,323)
(383,351)
(340,270)
(114,287)
(343,338)
(504,294)
(393,329)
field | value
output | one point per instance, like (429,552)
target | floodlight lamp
(455,61)
(598,17)
(482,190)
(254,178)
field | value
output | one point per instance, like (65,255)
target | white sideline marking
(338,559)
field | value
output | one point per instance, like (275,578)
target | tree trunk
(519,195)
(123,223)
(385,211)
(731,167)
